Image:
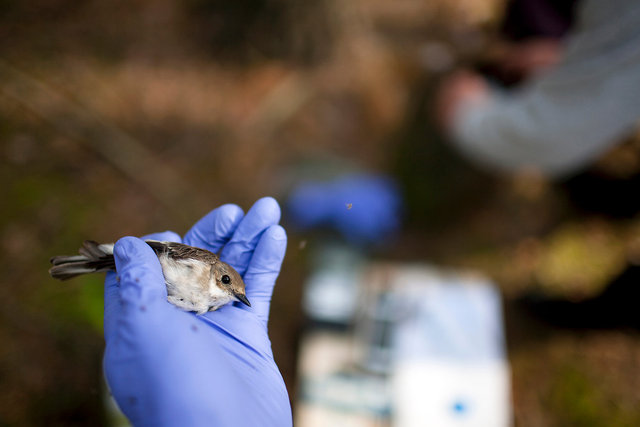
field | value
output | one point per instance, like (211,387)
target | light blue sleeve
(566,118)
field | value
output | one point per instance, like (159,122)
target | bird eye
(225,279)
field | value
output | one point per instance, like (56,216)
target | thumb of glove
(141,278)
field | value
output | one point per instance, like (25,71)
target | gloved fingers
(139,271)
(215,229)
(164,236)
(263,214)
(232,321)
(263,270)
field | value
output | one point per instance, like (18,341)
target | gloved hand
(364,208)
(169,367)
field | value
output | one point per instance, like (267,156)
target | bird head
(230,281)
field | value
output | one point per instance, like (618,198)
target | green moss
(579,400)
(78,301)
(90,300)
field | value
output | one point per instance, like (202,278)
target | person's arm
(567,117)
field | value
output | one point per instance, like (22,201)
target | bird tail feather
(93,258)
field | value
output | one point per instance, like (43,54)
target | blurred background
(129,117)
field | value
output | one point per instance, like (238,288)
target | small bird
(196,279)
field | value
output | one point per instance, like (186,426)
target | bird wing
(182,251)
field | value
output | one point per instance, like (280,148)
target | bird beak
(243,299)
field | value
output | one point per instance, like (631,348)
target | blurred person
(573,101)
(165,366)
(530,39)
(568,112)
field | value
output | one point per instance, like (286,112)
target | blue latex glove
(363,208)
(169,367)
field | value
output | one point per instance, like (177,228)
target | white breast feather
(190,286)
(107,248)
